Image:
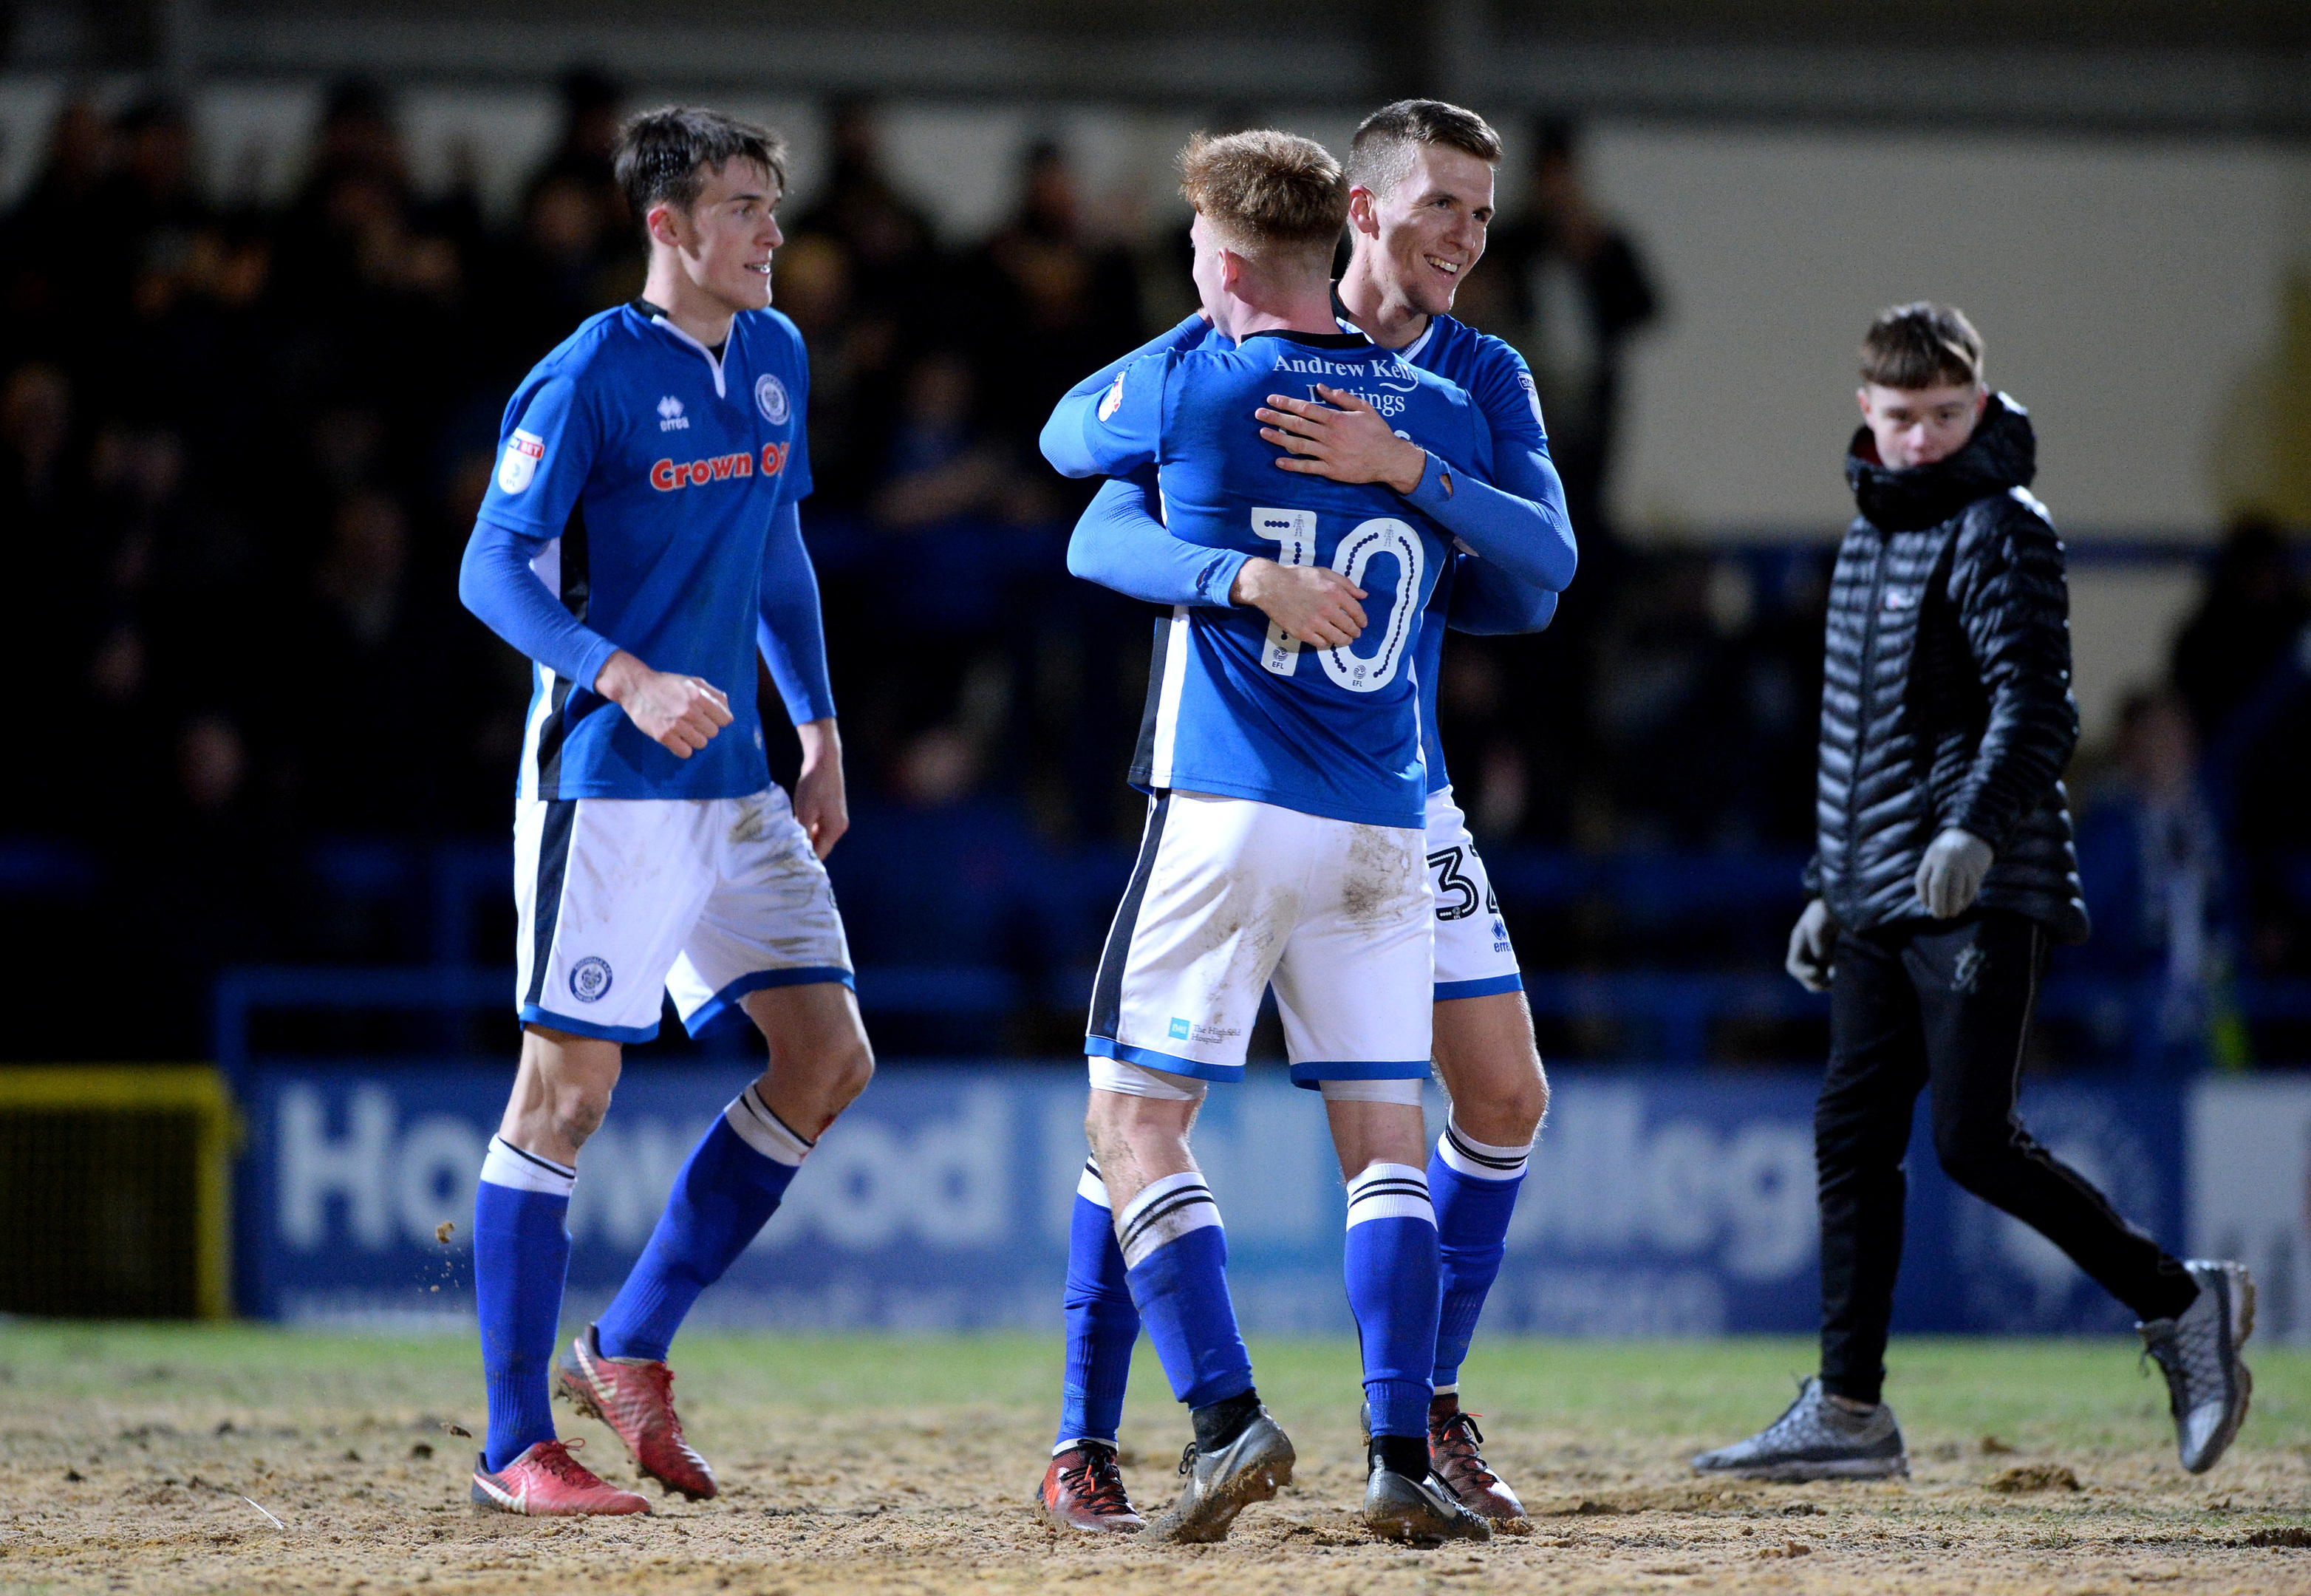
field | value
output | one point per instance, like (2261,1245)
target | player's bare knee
(579,1110)
(1525,1105)
(849,1072)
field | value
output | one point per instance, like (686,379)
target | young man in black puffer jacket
(1943,869)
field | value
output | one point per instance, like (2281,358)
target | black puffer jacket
(1946,684)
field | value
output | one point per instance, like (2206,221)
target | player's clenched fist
(1313,603)
(680,713)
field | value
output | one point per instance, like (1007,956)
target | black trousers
(1946,1005)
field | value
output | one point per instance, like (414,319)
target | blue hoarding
(1658,1203)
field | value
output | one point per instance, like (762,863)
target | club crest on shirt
(1114,401)
(522,452)
(771,398)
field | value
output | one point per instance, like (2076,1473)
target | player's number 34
(1294,531)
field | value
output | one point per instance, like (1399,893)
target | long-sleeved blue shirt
(499,584)
(1521,530)
(645,500)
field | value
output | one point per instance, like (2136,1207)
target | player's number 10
(1294,531)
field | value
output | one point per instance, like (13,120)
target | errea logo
(670,417)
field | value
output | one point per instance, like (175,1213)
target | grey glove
(1810,941)
(1950,875)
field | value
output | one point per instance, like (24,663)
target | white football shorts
(702,900)
(1473,956)
(1229,895)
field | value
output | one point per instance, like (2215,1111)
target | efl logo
(523,450)
(668,476)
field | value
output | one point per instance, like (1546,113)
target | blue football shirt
(1234,707)
(651,468)
(1497,378)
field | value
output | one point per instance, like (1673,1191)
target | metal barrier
(118,1182)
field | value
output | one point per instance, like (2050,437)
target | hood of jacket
(2003,454)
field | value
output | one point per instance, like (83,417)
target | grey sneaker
(2207,1385)
(1251,1467)
(1419,1511)
(1815,1439)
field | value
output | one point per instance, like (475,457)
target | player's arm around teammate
(654,858)
(1422,184)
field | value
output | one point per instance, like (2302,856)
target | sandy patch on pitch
(148,1496)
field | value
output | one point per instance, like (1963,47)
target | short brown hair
(663,156)
(1387,142)
(1922,345)
(1267,190)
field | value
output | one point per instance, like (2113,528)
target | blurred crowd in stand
(241,445)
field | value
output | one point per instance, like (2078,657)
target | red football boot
(635,1398)
(1083,1489)
(546,1481)
(1453,1457)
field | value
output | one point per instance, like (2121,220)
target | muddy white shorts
(1229,895)
(623,901)
(1473,956)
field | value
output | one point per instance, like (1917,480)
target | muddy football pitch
(150,1460)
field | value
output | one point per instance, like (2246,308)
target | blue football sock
(1102,1323)
(522,1252)
(1391,1263)
(726,1193)
(1475,1186)
(1175,1259)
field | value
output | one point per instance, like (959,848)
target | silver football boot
(1419,1511)
(2207,1385)
(1815,1439)
(1219,1485)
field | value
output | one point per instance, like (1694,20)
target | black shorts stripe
(1107,990)
(559,826)
(1143,756)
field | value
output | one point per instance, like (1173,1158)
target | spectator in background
(51,296)
(893,257)
(2255,611)
(369,678)
(1580,290)
(1052,301)
(581,155)
(853,350)
(2151,863)
(942,464)
(576,250)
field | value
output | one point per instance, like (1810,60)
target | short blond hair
(1266,192)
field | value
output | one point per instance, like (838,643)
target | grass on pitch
(2080,1393)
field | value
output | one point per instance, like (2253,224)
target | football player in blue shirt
(1421,176)
(641,545)
(1283,842)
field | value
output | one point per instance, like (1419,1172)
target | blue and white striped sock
(1475,1185)
(521,1256)
(1391,1263)
(1175,1261)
